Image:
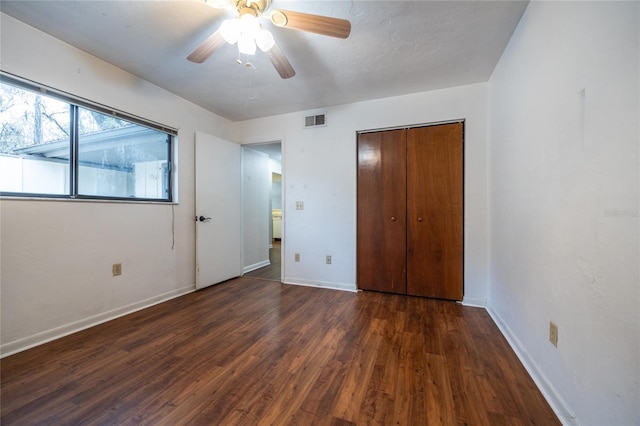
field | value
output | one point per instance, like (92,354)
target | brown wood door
(381,225)
(435,211)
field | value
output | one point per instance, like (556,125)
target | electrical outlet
(116,269)
(299,205)
(296,257)
(553,334)
(328,260)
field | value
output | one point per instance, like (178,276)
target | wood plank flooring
(252,351)
(271,271)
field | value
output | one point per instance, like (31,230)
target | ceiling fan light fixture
(265,40)
(249,25)
(231,30)
(247,45)
(247,32)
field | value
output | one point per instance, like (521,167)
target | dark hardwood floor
(271,271)
(251,351)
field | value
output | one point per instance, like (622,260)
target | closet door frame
(360,285)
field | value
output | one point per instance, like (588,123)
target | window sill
(86,200)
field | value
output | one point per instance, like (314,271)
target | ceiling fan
(245,30)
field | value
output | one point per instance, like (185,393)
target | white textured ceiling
(395,48)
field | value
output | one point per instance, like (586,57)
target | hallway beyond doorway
(272,271)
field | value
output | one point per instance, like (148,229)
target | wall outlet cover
(553,333)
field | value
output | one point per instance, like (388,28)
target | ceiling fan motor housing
(256,7)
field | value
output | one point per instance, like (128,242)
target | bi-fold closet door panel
(434,211)
(381,217)
(410,211)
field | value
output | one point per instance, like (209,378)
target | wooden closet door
(381,225)
(435,211)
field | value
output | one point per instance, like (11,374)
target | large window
(55,146)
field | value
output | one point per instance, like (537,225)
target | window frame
(75,103)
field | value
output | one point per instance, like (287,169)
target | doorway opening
(262,206)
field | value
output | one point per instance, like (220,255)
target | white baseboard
(256,266)
(555,400)
(29,342)
(320,284)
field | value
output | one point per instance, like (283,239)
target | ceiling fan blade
(280,62)
(324,25)
(207,48)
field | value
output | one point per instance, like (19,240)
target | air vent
(315,121)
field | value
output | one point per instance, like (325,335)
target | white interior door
(218,210)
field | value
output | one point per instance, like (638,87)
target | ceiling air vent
(315,121)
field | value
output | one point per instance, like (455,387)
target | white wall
(320,170)
(256,214)
(564,188)
(57,255)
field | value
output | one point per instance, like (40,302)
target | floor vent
(315,120)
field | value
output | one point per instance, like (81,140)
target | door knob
(393,218)
(204,219)
(420,219)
